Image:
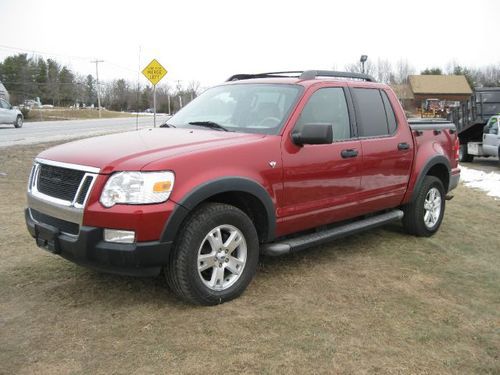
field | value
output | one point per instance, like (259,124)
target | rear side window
(391,118)
(372,118)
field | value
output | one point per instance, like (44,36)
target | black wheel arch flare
(208,189)
(430,163)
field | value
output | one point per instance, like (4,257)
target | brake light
(456,148)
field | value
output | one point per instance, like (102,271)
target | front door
(321,182)
(491,137)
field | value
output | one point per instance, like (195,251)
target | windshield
(246,108)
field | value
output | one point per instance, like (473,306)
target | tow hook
(449,197)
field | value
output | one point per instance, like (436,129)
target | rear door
(387,146)
(321,182)
(491,137)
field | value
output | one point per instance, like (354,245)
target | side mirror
(314,134)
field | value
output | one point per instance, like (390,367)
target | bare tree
(370,68)
(384,71)
(403,70)
(192,89)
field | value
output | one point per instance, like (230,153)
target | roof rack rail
(291,73)
(304,75)
(311,74)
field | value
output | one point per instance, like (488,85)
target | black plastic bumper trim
(90,250)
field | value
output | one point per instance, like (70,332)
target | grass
(58,114)
(378,302)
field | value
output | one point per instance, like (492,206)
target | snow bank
(488,182)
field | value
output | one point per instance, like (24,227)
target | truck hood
(134,150)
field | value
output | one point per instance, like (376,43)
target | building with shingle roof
(449,88)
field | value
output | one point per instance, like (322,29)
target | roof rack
(304,75)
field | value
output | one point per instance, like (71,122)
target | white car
(10,115)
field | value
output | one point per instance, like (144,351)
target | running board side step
(303,242)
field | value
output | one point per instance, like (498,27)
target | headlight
(137,188)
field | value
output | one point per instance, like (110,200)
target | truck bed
(431,124)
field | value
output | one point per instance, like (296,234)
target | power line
(41,52)
(42,83)
(61,55)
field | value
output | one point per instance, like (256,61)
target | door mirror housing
(314,134)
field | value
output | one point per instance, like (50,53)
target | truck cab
(491,136)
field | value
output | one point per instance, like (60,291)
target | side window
(493,127)
(372,118)
(491,122)
(391,117)
(327,106)
(3,104)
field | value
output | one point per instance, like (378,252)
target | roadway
(49,131)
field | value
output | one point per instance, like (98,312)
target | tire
(463,155)
(205,271)
(421,217)
(19,122)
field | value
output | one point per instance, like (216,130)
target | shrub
(25,111)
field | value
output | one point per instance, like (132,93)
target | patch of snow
(488,182)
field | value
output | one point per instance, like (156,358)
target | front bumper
(88,248)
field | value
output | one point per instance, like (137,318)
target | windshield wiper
(209,124)
(167,125)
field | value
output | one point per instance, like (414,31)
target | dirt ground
(379,302)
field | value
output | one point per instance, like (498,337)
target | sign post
(154,72)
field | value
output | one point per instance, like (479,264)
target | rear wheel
(424,215)
(19,122)
(215,256)
(463,155)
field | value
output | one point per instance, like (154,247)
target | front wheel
(424,215)
(19,122)
(215,256)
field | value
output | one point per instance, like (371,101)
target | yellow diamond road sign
(154,72)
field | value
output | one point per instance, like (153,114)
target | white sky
(211,40)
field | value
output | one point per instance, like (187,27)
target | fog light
(120,236)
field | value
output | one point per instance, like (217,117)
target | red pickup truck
(266,163)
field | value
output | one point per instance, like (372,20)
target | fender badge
(272,163)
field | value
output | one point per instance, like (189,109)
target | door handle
(350,153)
(403,146)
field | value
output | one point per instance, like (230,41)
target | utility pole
(138,88)
(96,61)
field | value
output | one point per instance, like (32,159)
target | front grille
(62,225)
(85,188)
(57,182)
